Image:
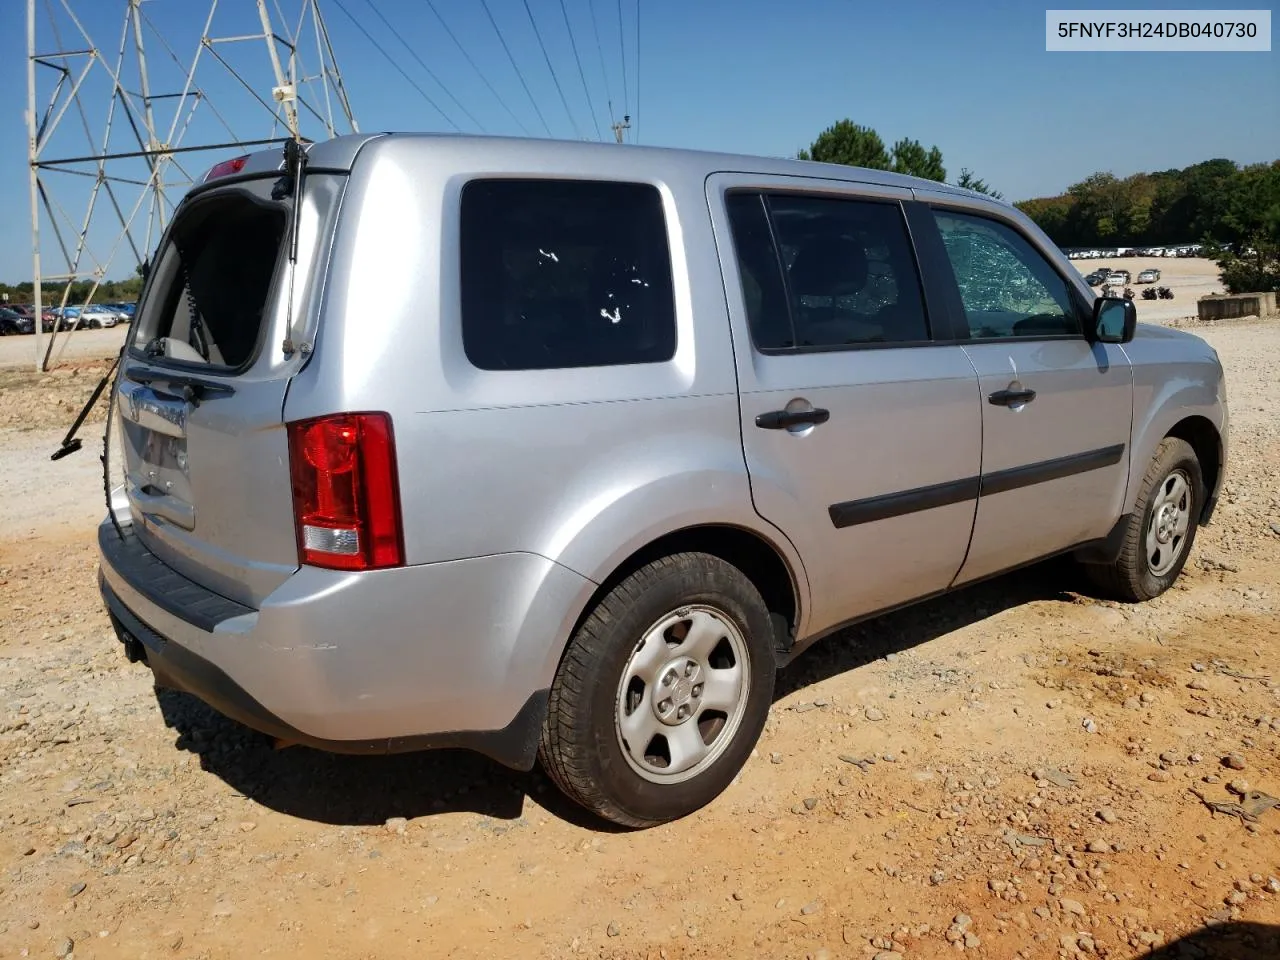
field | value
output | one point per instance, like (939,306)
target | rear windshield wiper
(191,389)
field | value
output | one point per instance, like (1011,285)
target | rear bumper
(457,654)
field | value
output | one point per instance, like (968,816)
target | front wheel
(662,692)
(1161,528)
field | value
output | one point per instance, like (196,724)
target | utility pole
(618,128)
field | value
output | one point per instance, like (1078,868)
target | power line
(476,67)
(595,27)
(581,73)
(622,49)
(637,126)
(422,63)
(556,80)
(516,66)
(399,69)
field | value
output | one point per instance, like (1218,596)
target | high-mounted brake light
(226,168)
(346,499)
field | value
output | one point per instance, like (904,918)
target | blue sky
(752,76)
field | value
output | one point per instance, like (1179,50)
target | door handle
(1011,398)
(782,419)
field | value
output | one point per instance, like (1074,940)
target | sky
(749,76)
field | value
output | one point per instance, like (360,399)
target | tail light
(346,501)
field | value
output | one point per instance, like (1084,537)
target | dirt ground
(1014,771)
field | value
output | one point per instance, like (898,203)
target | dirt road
(1011,771)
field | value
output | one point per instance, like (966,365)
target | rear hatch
(204,378)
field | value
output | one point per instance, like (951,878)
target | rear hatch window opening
(214,283)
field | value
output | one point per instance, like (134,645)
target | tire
(1147,567)
(634,644)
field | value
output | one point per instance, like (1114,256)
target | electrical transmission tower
(129,101)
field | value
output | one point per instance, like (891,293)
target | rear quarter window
(565,273)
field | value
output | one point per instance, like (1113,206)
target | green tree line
(1234,210)
(857,146)
(109,291)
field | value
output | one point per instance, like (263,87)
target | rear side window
(565,273)
(822,272)
(213,282)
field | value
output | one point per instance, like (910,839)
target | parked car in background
(95,316)
(1150,275)
(123,311)
(12,322)
(1118,278)
(1098,276)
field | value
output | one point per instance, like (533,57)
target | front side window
(824,272)
(1008,289)
(565,273)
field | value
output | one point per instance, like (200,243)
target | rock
(613,929)
(1273,885)
(873,714)
(1072,906)
(1107,815)
(1275,528)
(64,947)
(997,886)
(248,826)
(1148,697)
(810,802)
(739,895)
(1089,724)
(810,908)
(887,955)
(692,931)
(971,940)
(963,921)
(1159,776)
(1233,761)
(775,758)
(1098,846)
(1198,667)
(397,825)
(76,888)
(1240,787)
(1197,684)
(937,877)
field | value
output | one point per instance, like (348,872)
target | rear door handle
(1011,398)
(782,419)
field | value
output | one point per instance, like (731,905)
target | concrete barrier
(1230,306)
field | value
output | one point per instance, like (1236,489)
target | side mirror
(1114,320)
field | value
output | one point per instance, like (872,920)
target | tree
(848,143)
(910,157)
(969,181)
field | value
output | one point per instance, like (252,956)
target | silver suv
(562,450)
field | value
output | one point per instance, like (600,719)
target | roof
(340,153)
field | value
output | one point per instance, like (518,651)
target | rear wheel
(1161,528)
(662,692)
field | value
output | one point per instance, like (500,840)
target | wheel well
(750,553)
(1203,437)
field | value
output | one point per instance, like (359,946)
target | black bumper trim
(161,584)
(174,666)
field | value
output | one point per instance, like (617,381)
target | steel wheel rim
(1168,522)
(682,694)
